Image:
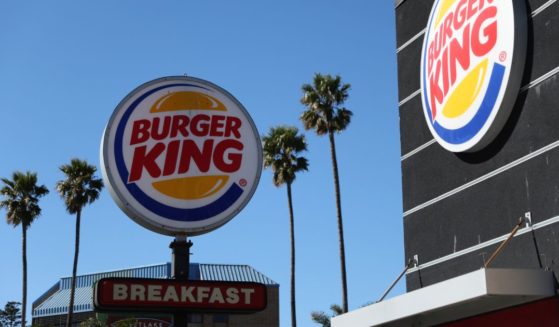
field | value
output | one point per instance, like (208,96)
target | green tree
(11,315)
(326,115)
(322,318)
(96,322)
(21,199)
(81,187)
(281,148)
(92,322)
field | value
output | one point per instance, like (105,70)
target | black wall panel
(411,18)
(408,70)
(412,134)
(545,35)
(520,253)
(486,210)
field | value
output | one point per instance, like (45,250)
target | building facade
(51,308)
(460,207)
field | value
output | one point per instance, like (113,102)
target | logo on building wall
(471,67)
(181,156)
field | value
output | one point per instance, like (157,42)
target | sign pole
(180,268)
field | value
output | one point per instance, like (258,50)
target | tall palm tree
(325,114)
(281,148)
(81,187)
(21,200)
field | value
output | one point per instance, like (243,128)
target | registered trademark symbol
(243,182)
(503,56)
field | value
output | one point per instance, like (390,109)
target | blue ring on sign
(193,214)
(468,131)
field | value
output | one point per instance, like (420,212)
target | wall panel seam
(483,178)
(416,150)
(542,7)
(485,244)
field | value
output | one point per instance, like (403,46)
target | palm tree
(11,316)
(322,318)
(21,200)
(281,148)
(325,114)
(79,188)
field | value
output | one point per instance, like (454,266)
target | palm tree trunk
(24,258)
(74,271)
(292,235)
(340,220)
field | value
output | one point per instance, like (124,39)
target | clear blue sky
(65,65)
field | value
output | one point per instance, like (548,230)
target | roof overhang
(468,295)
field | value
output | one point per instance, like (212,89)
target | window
(220,320)
(194,320)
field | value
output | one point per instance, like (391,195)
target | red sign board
(139,294)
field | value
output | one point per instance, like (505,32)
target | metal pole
(180,265)
(521,221)
(411,263)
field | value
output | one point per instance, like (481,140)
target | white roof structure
(468,295)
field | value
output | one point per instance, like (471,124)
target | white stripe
(484,177)
(410,41)
(540,79)
(409,97)
(546,223)
(542,7)
(484,244)
(416,150)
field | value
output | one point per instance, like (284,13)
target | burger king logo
(181,156)
(471,67)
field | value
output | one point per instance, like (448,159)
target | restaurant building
(51,308)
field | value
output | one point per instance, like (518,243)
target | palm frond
(80,187)
(281,148)
(21,197)
(320,318)
(324,100)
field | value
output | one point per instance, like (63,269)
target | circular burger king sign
(181,156)
(471,68)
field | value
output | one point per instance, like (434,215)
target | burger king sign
(471,67)
(181,156)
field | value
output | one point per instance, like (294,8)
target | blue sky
(65,65)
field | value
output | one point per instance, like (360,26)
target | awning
(468,295)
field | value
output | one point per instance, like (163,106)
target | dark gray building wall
(459,207)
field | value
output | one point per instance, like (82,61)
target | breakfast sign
(165,295)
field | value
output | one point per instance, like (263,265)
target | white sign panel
(181,156)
